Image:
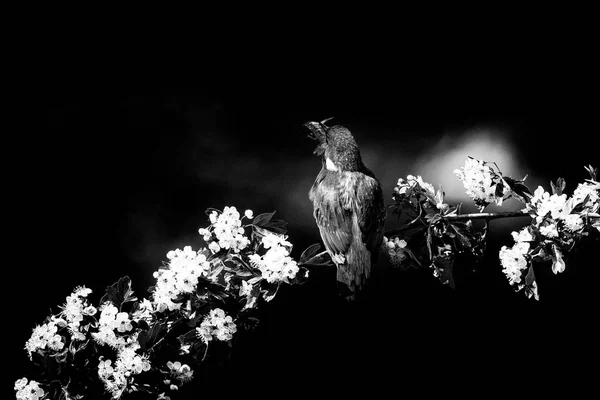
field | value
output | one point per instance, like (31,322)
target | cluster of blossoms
(556,213)
(406,187)
(276,265)
(218,325)
(28,390)
(396,249)
(484,185)
(46,337)
(226,230)
(118,375)
(110,320)
(74,310)
(515,259)
(184,268)
(125,337)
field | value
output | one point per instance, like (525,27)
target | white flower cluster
(181,372)
(28,390)
(181,276)
(216,324)
(481,182)
(227,229)
(75,308)
(589,190)
(46,337)
(436,199)
(117,376)
(396,249)
(111,319)
(514,259)
(276,265)
(553,212)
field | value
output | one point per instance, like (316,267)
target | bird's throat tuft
(330,165)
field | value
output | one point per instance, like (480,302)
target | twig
(486,216)
(505,214)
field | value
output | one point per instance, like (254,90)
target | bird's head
(337,146)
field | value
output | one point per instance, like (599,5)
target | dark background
(111,171)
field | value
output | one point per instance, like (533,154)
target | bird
(348,206)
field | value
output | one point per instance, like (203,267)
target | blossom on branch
(484,185)
(181,276)
(218,325)
(226,227)
(276,265)
(28,390)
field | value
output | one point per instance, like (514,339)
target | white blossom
(276,265)
(481,182)
(184,268)
(216,325)
(28,390)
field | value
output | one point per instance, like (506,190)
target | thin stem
(487,216)
(505,214)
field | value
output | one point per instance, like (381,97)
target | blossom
(227,229)
(435,199)
(218,325)
(573,222)
(118,375)
(28,390)
(276,265)
(245,289)
(588,190)
(184,268)
(181,372)
(122,322)
(549,230)
(396,250)
(481,182)
(513,261)
(111,319)
(75,309)
(249,214)
(44,337)
(558,264)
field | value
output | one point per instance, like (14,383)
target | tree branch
(486,216)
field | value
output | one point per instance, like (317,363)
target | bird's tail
(356,270)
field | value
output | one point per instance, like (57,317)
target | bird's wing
(333,218)
(372,213)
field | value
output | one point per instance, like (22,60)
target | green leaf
(262,219)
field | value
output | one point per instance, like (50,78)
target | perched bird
(348,206)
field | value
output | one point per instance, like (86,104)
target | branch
(505,214)
(486,216)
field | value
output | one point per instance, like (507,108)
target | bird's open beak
(315,130)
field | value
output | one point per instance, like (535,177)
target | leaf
(462,237)
(559,187)
(262,219)
(310,251)
(592,171)
(210,211)
(148,338)
(277,226)
(518,189)
(119,292)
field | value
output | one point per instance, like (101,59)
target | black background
(111,169)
